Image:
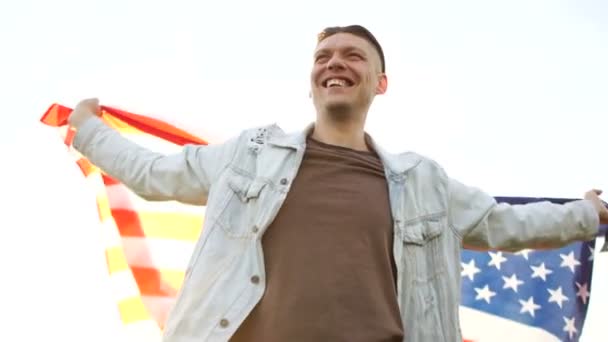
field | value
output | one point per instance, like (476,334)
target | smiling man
(321,235)
(348,72)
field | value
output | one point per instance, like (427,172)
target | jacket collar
(294,141)
(395,163)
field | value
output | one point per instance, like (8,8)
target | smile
(337,82)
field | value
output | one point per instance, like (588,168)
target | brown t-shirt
(328,255)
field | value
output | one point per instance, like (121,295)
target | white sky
(508,96)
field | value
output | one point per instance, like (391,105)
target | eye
(355,56)
(321,59)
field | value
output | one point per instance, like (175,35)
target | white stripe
(142,331)
(158,307)
(157,253)
(483,327)
(123,285)
(95,182)
(109,234)
(63,131)
(122,197)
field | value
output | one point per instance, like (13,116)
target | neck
(346,133)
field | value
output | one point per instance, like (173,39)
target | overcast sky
(509,96)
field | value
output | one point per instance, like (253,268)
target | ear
(382,84)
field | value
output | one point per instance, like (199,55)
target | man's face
(346,74)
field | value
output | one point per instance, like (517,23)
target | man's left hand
(602,211)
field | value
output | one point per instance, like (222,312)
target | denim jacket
(244,181)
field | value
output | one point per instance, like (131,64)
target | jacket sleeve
(482,223)
(185,177)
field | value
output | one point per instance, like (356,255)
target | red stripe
(150,282)
(57,115)
(128,222)
(107,180)
(155,127)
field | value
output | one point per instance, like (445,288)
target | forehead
(341,41)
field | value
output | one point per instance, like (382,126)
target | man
(322,235)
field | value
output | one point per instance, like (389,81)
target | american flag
(526,296)
(546,290)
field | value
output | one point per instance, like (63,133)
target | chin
(339,110)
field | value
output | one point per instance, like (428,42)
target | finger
(591,193)
(92,103)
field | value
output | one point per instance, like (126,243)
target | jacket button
(224,323)
(284,181)
(254,229)
(255,279)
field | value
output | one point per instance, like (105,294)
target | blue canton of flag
(546,289)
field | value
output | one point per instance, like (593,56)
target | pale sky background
(509,96)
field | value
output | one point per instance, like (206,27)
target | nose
(335,63)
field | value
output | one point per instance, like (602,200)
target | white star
(591,253)
(569,261)
(512,282)
(528,306)
(497,259)
(569,326)
(557,296)
(540,271)
(524,253)
(469,269)
(484,294)
(583,292)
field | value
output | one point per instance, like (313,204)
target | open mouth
(337,82)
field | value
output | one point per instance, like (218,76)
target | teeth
(336,82)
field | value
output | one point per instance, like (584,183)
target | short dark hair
(356,30)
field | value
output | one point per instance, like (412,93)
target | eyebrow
(346,49)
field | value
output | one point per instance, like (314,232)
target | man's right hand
(83,111)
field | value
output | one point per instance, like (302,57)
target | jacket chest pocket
(242,206)
(425,274)
(424,254)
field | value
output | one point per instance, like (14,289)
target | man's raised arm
(485,224)
(185,177)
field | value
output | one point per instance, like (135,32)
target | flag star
(540,271)
(557,296)
(497,259)
(583,292)
(591,253)
(569,261)
(528,306)
(569,326)
(469,269)
(484,293)
(512,282)
(524,253)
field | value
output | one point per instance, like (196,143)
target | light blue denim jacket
(244,182)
